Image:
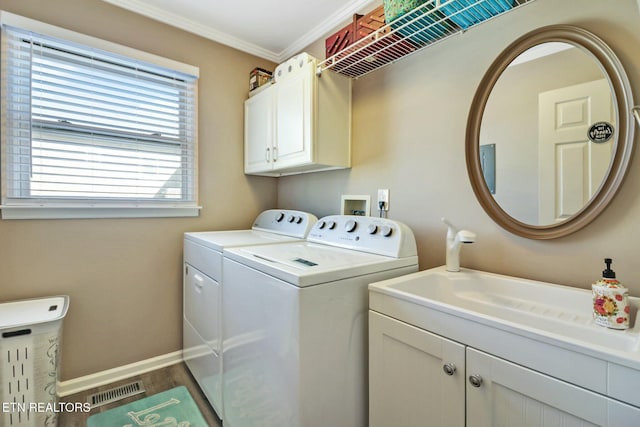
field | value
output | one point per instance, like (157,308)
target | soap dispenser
(610,300)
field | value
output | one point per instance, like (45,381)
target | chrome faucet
(455,238)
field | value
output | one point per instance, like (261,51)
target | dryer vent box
(356,205)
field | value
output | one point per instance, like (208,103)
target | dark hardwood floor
(154,382)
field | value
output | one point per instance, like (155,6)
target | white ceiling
(271,29)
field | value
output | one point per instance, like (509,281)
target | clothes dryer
(295,322)
(203,283)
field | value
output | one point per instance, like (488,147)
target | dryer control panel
(284,221)
(366,234)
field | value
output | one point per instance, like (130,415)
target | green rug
(174,408)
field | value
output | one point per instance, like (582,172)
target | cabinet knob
(449,368)
(475,380)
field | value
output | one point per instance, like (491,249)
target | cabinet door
(408,386)
(258,132)
(510,395)
(294,118)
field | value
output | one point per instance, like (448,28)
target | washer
(202,294)
(295,322)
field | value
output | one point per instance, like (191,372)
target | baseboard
(66,388)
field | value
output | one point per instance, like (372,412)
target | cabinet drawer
(623,384)
(204,259)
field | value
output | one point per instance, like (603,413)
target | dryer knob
(279,217)
(321,225)
(386,230)
(350,225)
(291,218)
(331,225)
(298,219)
(372,229)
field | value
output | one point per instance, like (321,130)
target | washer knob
(372,228)
(331,225)
(279,217)
(321,225)
(291,218)
(386,230)
(350,225)
(298,219)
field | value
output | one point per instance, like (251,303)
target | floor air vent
(115,394)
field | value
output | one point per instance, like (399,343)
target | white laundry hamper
(30,338)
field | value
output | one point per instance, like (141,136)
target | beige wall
(409,123)
(124,276)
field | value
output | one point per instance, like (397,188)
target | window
(92,132)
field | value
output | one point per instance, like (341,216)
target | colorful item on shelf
(258,77)
(394,9)
(363,57)
(342,38)
(370,50)
(370,23)
(466,13)
(423,25)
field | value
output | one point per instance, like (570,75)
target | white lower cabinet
(506,394)
(407,384)
(420,379)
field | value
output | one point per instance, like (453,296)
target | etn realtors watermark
(45,407)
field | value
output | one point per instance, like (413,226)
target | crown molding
(329,24)
(197,28)
(211,33)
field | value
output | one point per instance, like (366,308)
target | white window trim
(92,209)
(80,212)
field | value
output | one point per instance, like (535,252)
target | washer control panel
(283,221)
(367,234)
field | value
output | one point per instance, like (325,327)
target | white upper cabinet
(258,132)
(301,123)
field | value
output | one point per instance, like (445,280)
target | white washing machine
(202,294)
(295,322)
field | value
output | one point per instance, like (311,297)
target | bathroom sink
(544,309)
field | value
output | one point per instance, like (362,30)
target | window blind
(86,127)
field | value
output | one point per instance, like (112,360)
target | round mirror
(550,132)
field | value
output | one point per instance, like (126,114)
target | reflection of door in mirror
(510,120)
(571,166)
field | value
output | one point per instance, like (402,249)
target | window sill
(85,212)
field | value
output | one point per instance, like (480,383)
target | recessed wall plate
(356,205)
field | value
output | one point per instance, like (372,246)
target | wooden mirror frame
(621,151)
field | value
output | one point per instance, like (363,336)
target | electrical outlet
(383,196)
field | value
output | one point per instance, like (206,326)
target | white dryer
(295,322)
(202,294)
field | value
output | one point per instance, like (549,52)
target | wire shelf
(424,26)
